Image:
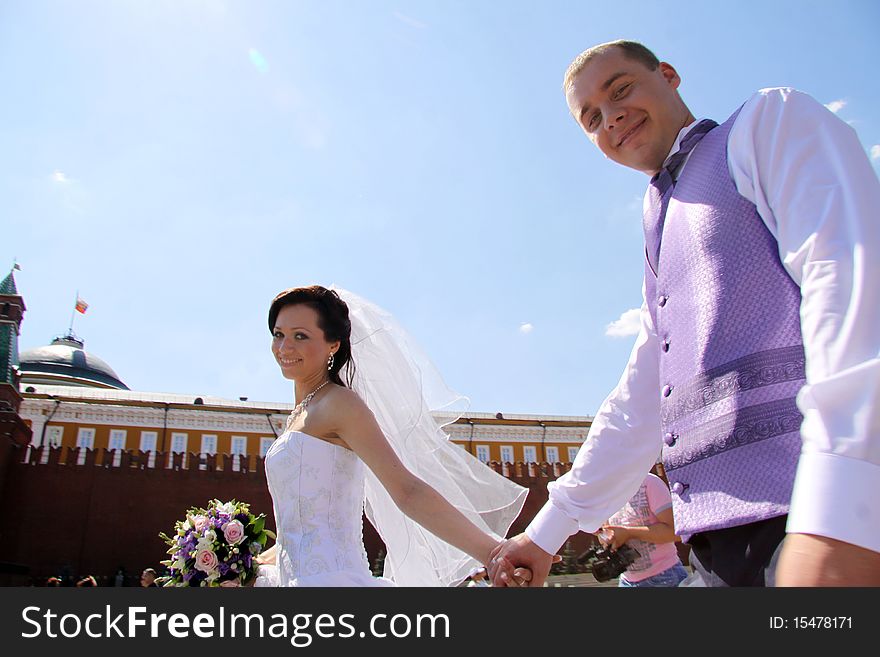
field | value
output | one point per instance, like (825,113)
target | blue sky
(179,162)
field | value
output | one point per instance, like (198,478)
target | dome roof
(66,362)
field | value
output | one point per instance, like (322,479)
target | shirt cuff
(550,528)
(837,497)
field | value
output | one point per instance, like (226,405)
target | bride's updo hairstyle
(332,319)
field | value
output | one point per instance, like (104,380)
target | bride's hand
(522,576)
(267,557)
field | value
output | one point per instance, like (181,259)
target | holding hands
(519,562)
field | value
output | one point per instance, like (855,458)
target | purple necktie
(660,191)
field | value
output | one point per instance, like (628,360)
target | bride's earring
(330,362)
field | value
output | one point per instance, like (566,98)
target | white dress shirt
(813,186)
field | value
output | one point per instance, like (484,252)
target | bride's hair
(332,319)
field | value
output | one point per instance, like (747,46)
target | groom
(756,369)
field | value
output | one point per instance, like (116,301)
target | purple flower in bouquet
(215,546)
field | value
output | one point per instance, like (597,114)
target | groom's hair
(631,49)
(332,319)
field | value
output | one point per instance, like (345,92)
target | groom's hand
(520,552)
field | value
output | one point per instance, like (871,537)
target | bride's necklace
(299,408)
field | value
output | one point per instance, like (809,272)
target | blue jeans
(669,577)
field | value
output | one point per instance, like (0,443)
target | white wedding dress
(321,491)
(317,493)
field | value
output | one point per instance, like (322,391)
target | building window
(54,436)
(552,454)
(572,452)
(530,454)
(178,446)
(239,447)
(148,445)
(209,446)
(483,453)
(506,454)
(117,445)
(265,444)
(85,439)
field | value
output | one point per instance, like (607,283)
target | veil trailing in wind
(402,387)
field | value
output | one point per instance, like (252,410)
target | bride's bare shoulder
(346,402)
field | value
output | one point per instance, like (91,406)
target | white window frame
(149,441)
(54,435)
(572,453)
(179,441)
(552,454)
(85,439)
(530,454)
(265,444)
(507,453)
(237,446)
(208,446)
(483,453)
(116,442)
(209,443)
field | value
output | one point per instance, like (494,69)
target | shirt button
(670,439)
(665,345)
(678,488)
(667,390)
(661,301)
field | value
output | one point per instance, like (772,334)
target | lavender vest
(731,352)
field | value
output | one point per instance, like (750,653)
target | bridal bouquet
(216,546)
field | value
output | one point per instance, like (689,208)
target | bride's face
(298,343)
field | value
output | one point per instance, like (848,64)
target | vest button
(678,488)
(667,390)
(661,301)
(665,345)
(670,439)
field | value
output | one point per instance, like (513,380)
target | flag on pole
(81,306)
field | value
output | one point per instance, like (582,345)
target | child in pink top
(646,524)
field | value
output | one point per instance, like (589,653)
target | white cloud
(836,105)
(875,152)
(258,61)
(59,177)
(628,324)
(412,22)
(526,328)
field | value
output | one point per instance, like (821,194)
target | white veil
(401,386)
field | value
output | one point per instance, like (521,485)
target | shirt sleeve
(659,497)
(622,445)
(812,184)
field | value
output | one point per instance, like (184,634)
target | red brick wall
(60,517)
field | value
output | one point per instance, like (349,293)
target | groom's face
(632,113)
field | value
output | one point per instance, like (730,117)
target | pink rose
(206,561)
(234,532)
(230,583)
(200,522)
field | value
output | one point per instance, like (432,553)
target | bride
(361,438)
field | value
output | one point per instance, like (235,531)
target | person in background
(148,578)
(645,523)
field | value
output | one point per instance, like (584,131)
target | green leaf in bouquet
(269,533)
(258,524)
